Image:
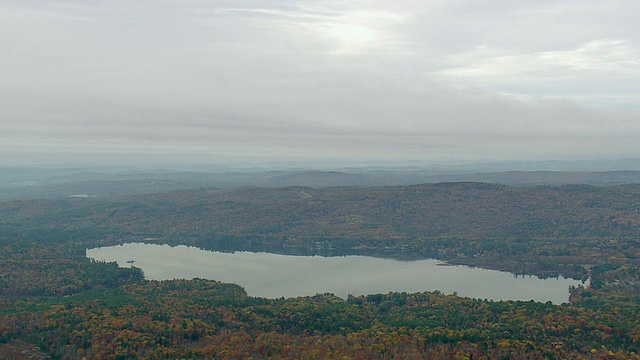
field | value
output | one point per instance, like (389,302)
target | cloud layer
(357,80)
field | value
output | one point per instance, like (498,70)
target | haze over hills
(497,134)
(57,182)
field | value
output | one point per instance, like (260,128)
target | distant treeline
(544,230)
(70,307)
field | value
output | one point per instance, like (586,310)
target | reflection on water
(273,276)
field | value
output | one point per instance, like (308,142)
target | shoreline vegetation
(275,275)
(70,307)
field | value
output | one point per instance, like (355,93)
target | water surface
(273,276)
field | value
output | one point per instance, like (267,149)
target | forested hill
(468,210)
(564,229)
(55,299)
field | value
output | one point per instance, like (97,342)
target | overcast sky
(307,80)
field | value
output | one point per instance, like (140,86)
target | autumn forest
(55,302)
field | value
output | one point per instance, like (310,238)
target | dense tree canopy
(70,307)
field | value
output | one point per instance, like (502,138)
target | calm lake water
(272,275)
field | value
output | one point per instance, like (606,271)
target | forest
(56,302)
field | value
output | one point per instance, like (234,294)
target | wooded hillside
(55,299)
(542,230)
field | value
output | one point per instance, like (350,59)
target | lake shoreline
(264,274)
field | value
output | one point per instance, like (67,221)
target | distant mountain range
(16,183)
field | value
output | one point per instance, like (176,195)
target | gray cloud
(403,80)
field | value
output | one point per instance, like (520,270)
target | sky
(308,81)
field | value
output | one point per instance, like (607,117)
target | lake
(273,276)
